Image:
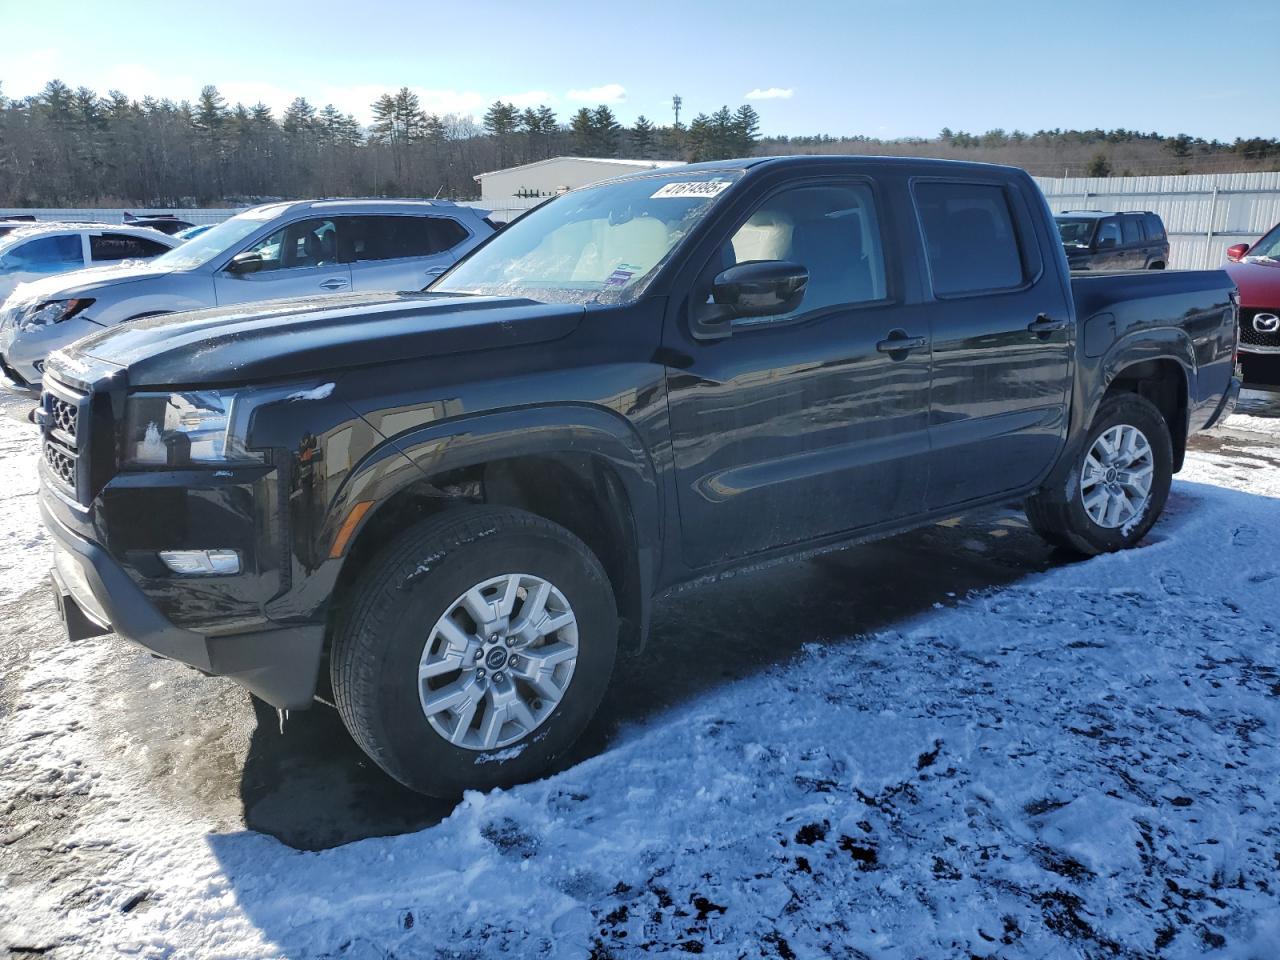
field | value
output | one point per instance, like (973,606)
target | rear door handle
(899,342)
(1046,324)
(334,283)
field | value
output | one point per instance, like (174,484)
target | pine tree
(501,119)
(1099,166)
(211,111)
(642,137)
(299,117)
(746,129)
(608,132)
(698,141)
(582,128)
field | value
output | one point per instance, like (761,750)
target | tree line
(73,147)
(65,147)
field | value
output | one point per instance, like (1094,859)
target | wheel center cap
(496,659)
(1112,473)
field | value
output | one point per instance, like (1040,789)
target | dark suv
(1097,240)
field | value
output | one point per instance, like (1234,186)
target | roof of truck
(807,159)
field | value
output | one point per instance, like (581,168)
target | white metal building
(515,189)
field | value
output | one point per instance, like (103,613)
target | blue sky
(881,68)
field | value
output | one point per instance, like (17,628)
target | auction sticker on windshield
(700,188)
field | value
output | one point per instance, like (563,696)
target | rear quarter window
(123,246)
(971,241)
(1155,226)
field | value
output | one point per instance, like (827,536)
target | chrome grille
(64,420)
(63,415)
(1250,336)
(63,465)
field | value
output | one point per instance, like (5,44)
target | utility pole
(676,101)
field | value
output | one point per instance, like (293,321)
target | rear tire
(1113,489)
(517,698)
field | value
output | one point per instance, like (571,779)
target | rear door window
(48,254)
(122,246)
(970,238)
(396,238)
(1129,231)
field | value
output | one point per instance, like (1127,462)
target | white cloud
(769,93)
(607,93)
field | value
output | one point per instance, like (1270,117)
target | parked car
(1255,268)
(12,222)
(164,222)
(190,233)
(464,501)
(1096,240)
(39,250)
(304,248)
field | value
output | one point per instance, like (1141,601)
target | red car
(1256,271)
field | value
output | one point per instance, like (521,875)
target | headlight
(194,427)
(51,312)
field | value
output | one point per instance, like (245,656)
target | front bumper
(14,382)
(96,595)
(25,351)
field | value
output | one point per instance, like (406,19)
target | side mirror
(243,263)
(757,288)
(1107,244)
(1236,252)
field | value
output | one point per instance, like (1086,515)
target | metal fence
(1204,213)
(116,214)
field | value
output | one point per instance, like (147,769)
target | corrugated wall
(1204,213)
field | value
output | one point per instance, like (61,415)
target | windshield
(1268,248)
(598,244)
(215,241)
(1076,231)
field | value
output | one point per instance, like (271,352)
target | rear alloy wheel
(474,650)
(1115,480)
(1112,493)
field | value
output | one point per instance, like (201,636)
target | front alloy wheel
(498,662)
(474,649)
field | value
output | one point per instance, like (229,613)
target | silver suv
(296,249)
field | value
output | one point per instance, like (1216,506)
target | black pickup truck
(461,503)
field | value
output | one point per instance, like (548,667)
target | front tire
(1114,489)
(476,649)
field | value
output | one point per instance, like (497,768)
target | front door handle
(899,343)
(334,283)
(1046,324)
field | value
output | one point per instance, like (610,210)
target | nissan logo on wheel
(1266,323)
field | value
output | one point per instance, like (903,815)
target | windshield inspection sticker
(619,277)
(700,188)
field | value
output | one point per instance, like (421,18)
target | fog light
(195,563)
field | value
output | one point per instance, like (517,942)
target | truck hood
(283,339)
(85,283)
(1259,283)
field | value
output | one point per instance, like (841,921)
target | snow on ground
(1082,764)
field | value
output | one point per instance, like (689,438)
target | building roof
(612,161)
